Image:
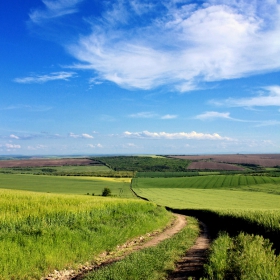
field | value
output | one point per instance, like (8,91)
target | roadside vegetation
(245,256)
(43,232)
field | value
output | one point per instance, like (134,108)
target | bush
(106,192)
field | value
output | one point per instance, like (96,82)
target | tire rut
(191,265)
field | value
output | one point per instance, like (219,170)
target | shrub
(106,192)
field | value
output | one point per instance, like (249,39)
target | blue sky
(139,77)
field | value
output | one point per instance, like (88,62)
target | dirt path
(191,265)
(148,240)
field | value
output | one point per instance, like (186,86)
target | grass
(180,198)
(66,184)
(210,182)
(43,232)
(152,263)
(233,204)
(243,257)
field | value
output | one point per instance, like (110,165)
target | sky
(89,77)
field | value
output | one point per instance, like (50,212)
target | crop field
(66,184)
(210,182)
(245,208)
(179,198)
(43,232)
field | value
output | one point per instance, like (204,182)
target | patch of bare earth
(265,160)
(106,258)
(211,165)
(191,265)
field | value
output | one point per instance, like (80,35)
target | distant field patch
(179,198)
(207,182)
(210,165)
(265,160)
(66,184)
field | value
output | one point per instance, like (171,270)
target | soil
(265,160)
(191,265)
(106,258)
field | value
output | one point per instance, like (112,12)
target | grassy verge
(243,257)
(43,232)
(152,263)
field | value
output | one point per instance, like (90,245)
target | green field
(180,198)
(226,201)
(66,184)
(209,182)
(43,232)
(56,169)
(232,204)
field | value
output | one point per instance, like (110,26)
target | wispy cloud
(31,108)
(10,146)
(144,115)
(36,147)
(169,117)
(45,78)
(12,136)
(179,135)
(268,123)
(213,115)
(95,146)
(182,44)
(152,115)
(54,9)
(83,135)
(268,96)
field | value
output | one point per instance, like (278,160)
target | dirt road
(148,240)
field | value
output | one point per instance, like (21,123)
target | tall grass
(247,257)
(43,232)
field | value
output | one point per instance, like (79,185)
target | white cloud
(37,147)
(178,135)
(268,123)
(144,115)
(45,78)
(12,146)
(183,45)
(95,146)
(14,136)
(54,9)
(213,115)
(169,117)
(83,135)
(269,96)
(150,115)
